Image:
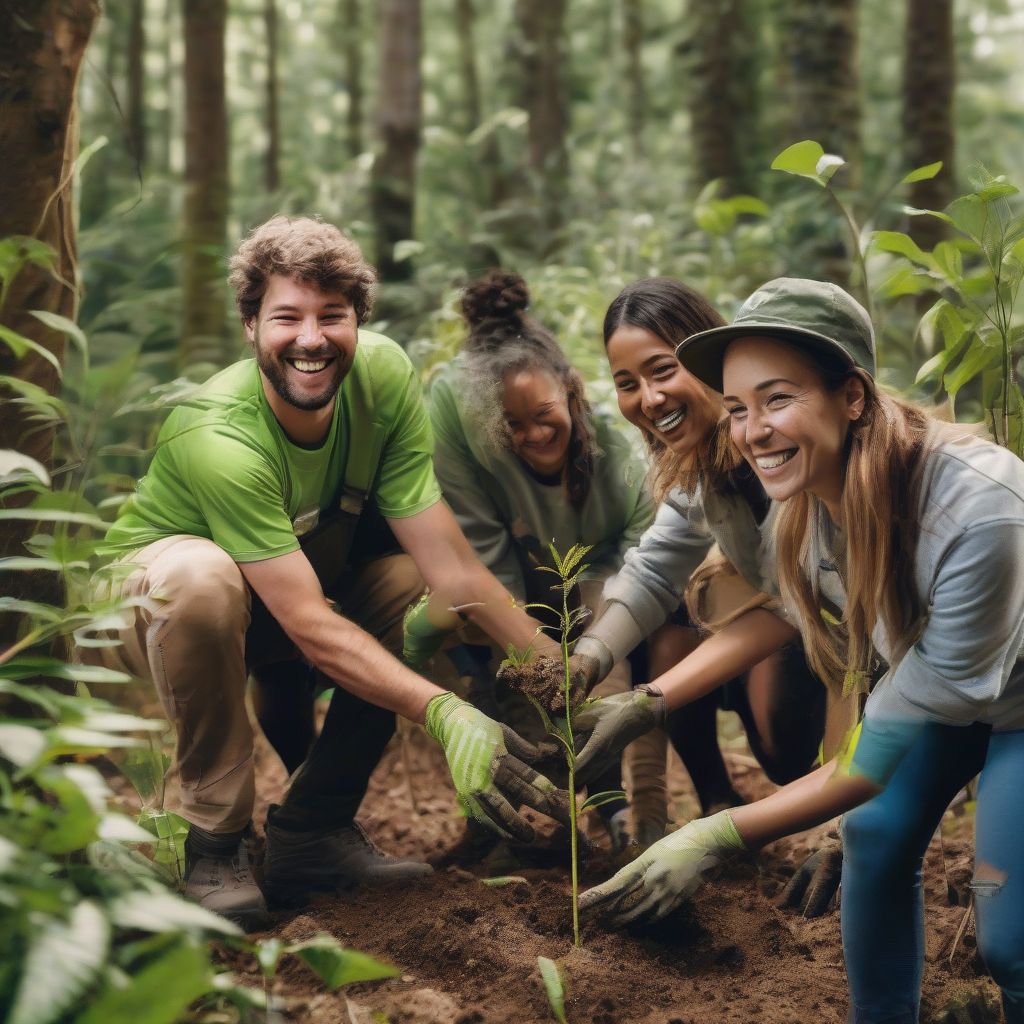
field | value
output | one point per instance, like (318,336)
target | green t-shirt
(225,470)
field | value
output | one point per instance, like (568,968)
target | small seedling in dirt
(554,987)
(548,687)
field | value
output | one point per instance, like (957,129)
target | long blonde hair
(879,507)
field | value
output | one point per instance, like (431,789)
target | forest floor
(468,952)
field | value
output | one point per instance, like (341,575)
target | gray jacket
(966,665)
(654,574)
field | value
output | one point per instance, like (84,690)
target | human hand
(584,673)
(815,883)
(613,722)
(488,766)
(666,874)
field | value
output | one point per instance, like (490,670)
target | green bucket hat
(814,315)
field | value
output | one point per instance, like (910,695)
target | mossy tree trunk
(42,46)
(204,336)
(636,86)
(929,81)
(399,127)
(136,102)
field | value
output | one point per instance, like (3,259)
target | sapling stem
(570,757)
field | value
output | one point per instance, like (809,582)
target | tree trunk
(272,166)
(821,84)
(714,75)
(465,17)
(350,38)
(633,39)
(542,24)
(928,86)
(206,184)
(399,122)
(42,45)
(137,84)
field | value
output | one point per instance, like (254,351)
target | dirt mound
(468,952)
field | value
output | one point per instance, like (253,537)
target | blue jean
(884,842)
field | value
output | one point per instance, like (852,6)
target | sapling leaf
(925,173)
(268,952)
(551,976)
(903,245)
(599,799)
(801,158)
(500,881)
(828,165)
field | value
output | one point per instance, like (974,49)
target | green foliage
(551,976)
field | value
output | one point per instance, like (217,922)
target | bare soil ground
(468,952)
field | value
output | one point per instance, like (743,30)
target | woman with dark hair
(707,496)
(524,462)
(910,532)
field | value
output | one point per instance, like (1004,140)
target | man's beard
(275,369)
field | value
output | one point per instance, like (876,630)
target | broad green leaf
(748,204)
(980,355)
(163,911)
(932,368)
(407,248)
(21,346)
(997,190)
(949,260)
(158,994)
(53,516)
(339,966)
(19,564)
(18,250)
(970,215)
(75,826)
(121,828)
(21,744)
(800,158)
(60,323)
(554,987)
(26,667)
(828,165)
(913,211)
(62,962)
(14,464)
(925,173)
(904,245)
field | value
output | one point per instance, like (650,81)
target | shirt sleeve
(406,483)
(654,574)
(459,475)
(243,508)
(968,648)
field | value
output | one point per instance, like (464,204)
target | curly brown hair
(306,249)
(502,339)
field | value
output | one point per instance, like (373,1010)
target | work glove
(815,883)
(613,722)
(669,872)
(488,768)
(584,673)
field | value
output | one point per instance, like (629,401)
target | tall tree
(350,37)
(545,98)
(633,39)
(272,161)
(399,127)
(42,44)
(137,83)
(718,105)
(820,79)
(206,183)
(928,85)
(465,18)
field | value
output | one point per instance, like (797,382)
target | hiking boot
(297,863)
(218,877)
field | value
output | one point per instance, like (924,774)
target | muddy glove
(491,779)
(584,673)
(613,722)
(815,883)
(669,872)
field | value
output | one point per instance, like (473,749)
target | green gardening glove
(664,875)
(422,634)
(486,761)
(613,722)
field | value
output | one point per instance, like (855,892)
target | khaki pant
(195,643)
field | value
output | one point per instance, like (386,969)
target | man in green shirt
(243,523)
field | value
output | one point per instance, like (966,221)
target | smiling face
(656,394)
(304,341)
(537,416)
(786,423)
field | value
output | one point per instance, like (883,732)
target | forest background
(584,143)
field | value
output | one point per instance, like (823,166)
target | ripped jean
(884,842)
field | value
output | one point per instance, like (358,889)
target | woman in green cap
(910,534)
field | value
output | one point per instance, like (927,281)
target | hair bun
(498,295)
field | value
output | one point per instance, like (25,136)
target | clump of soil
(541,678)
